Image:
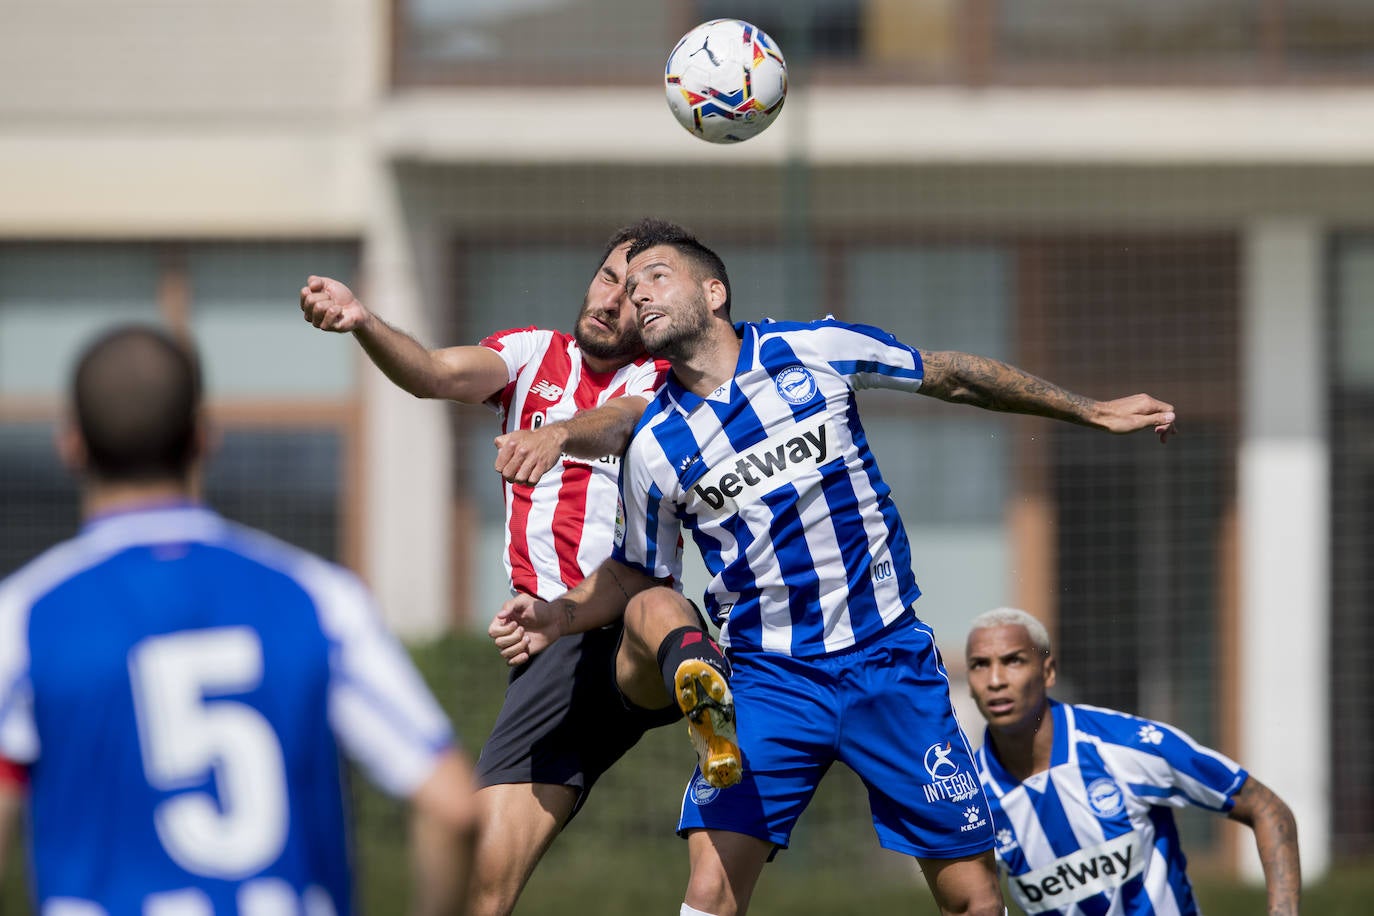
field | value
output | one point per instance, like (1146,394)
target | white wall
(142,118)
(1284,456)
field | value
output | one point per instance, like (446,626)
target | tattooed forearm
(1282,874)
(1276,839)
(569,611)
(610,570)
(963,378)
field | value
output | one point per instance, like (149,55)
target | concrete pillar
(1285,530)
(408,448)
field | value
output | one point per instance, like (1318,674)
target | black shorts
(564,721)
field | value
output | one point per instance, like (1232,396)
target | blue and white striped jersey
(1094,833)
(773,476)
(179,686)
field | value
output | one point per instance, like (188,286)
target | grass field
(620,857)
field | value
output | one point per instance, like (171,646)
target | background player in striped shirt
(755,446)
(568,403)
(178,686)
(1081,796)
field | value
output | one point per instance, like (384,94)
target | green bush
(620,856)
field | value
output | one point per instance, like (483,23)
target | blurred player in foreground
(1081,796)
(755,445)
(568,403)
(178,686)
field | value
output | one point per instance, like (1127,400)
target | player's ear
(71,448)
(1050,670)
(716,294)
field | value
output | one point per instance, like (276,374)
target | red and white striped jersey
(560,529)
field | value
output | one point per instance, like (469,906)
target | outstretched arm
(963,378)
(523,455)
(526,626)
(469,375)
(1276,837)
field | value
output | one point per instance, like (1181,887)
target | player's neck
(105,498)
(711,363)
(1026,749)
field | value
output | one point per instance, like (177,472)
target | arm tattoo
(963,378)
(1279,858)
(616,579)
(569,609)
(1276,839)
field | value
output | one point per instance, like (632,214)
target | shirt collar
(163,519)
(687,401)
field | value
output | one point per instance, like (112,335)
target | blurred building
(1174,197)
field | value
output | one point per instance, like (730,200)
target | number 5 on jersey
(188,730)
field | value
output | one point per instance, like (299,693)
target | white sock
(691,911)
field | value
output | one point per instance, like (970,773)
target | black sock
(682,644)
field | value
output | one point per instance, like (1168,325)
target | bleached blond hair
(1014,617)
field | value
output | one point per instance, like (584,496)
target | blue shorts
(882,709)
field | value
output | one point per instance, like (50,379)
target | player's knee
(692,911)
(493,888)
(488,902)
(709,891)
(988,903)
(656,611)
(710,896)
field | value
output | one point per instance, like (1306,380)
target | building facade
(1175,200)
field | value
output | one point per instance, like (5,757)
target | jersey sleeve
(516,347)
(1162,765)
(868,357)
(380,710)
(648,535)
(18,731)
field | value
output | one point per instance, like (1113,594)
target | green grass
(621,858)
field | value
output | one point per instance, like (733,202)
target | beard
(621,345)
(678,337)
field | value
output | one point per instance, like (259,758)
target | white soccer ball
(726,81)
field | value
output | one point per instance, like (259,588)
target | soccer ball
(726,81)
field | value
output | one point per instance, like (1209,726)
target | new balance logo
(1072,878)
(778,460)
(547,390)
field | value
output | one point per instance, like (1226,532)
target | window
(577,42)
(280,392)
(624,42)
(54,297)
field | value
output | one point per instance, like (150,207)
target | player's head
(678,286)
(135,402)
(705,263)
(606,329)
(1010,668)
